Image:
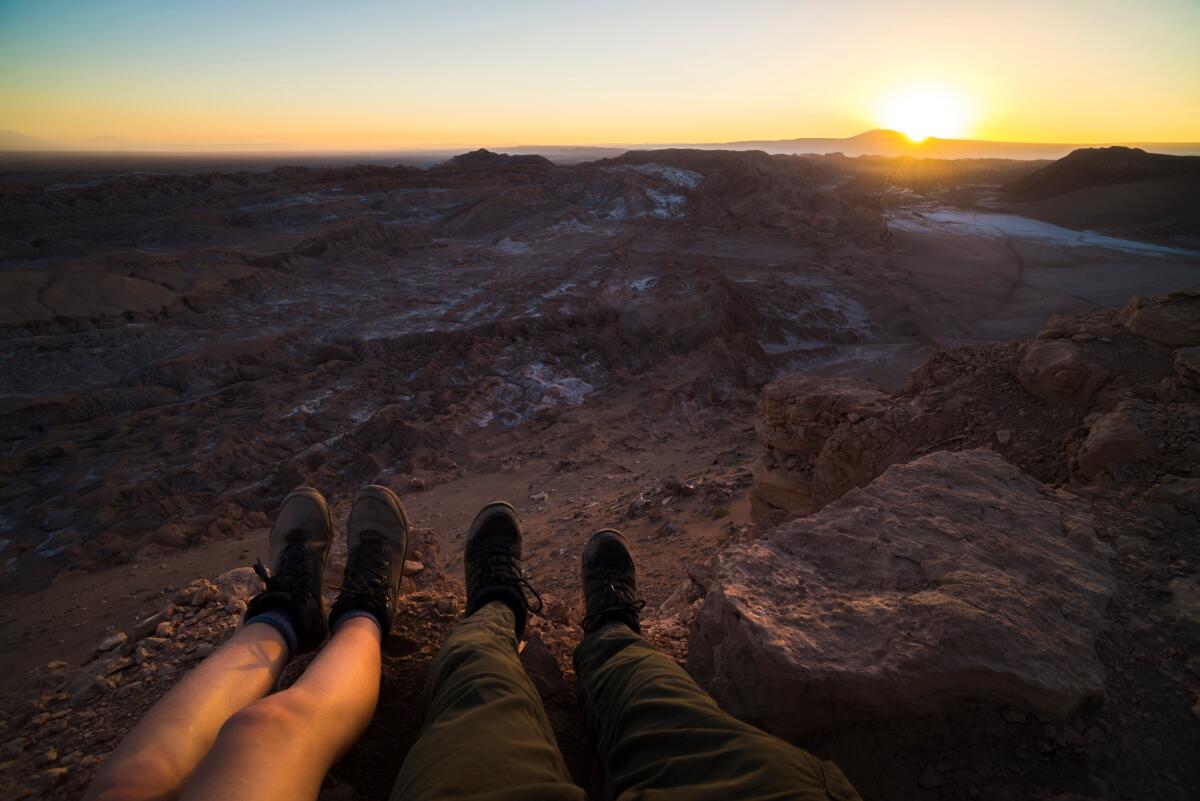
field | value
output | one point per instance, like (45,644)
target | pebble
(1003,436)
(147,627)
(52,778)
(112,641)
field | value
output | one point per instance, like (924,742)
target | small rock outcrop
(797,417)
(956,576)
(1119,437)
(1171,319)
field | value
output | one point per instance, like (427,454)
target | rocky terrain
(1098,167)
(911,492)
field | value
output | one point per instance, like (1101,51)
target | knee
(272,717)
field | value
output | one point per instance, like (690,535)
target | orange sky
(359,75)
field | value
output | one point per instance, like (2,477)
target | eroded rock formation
(1107,398)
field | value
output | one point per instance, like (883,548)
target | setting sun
(919,112)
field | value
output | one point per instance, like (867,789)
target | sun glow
(919,112)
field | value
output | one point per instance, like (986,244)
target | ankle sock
(349,613)
(281,621)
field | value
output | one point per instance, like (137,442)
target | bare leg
(158,755)
(282,746)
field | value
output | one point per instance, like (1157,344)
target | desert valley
(752,364)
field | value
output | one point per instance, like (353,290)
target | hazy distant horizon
(868,143)
(367,76)
(113,144)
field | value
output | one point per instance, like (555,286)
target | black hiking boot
(493,564)
(299,549)
(609,582)
(377,544)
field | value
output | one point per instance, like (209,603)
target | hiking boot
(299,550)
(377,544)
(609,582)
(493,564)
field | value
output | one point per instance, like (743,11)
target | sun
(919,112)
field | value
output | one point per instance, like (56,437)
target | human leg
(280,747)
(161,752)
(486,735)
(158,755)
(304,729)
(655,728)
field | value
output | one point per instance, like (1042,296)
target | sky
(359,74)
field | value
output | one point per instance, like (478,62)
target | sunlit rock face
(956,576)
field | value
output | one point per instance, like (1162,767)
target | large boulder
(1056,371)
(1123,436)
(1171,319)
(954,576)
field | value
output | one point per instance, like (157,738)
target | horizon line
(268,148)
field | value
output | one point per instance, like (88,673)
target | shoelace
(294,573)
(623,599)
(498,567)
(368,571)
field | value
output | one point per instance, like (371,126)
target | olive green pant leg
(662,737)
(486,735)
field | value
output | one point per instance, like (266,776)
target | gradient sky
(350,75)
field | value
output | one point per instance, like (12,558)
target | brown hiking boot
(299,550)
(377,539)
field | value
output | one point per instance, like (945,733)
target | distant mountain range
(894,143)
(870,143)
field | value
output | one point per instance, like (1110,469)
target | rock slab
(954,576)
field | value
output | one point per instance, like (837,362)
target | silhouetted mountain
(1123,191)
(486,158)
(1099,166)
(14,140)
